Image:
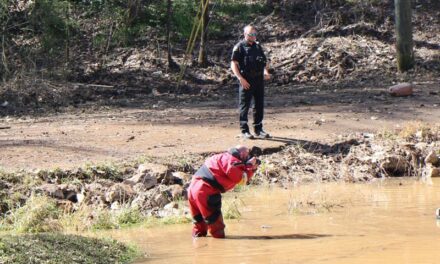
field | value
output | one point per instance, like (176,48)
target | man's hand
(244,83)
(267,76)
(235,69)
(253,162)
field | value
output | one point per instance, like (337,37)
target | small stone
(432,158)
(402,89)
(115,206)
(434,172)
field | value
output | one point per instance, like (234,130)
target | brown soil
(330,80)
(161,127)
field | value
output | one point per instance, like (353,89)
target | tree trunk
(203,57)
(133,10)
(269,4)
(67,41)
(171,63)
(404,45)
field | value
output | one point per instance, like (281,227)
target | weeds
(128,216)
(418,130)
(13,177)
(321,200)
(59,248)
(231,209)
(39,214)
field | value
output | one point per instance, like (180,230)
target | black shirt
(250,58)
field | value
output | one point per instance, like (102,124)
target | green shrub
(50,19)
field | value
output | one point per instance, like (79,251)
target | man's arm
(267,74)
(236,71)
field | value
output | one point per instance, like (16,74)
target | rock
(145,175)
(94,193)
(176,191)
(161,199)
(139,188)
(318,122)
(273,180)
(172,205)
(150,174)
(4,185)
(169,209)
(185,177)
(139,202)
(115,206)
(62,191)
(431,158)
(156,73)
(402,89)
(430,171)
(421,146)
(119,192)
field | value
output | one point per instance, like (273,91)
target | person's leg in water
(214,220)
(200,228)
(205,205)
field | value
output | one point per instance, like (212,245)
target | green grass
(59,248)
(39,214)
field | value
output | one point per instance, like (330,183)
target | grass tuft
(231,208)
(39,214)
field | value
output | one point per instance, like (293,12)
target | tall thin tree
(203,56)
(404,45)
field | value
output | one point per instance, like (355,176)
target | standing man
(250,66)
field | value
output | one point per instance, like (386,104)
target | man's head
(250,33)
(241,152)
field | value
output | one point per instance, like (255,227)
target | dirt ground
(208,124)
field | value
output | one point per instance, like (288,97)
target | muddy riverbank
(114,195)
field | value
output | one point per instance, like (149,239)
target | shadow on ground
(342,148)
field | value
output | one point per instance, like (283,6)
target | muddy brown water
(386,221)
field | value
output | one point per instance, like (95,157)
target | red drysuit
(218,174)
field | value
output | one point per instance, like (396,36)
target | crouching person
(219,173)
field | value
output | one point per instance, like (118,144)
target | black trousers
(256,92)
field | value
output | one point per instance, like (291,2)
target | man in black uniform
(249,65)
